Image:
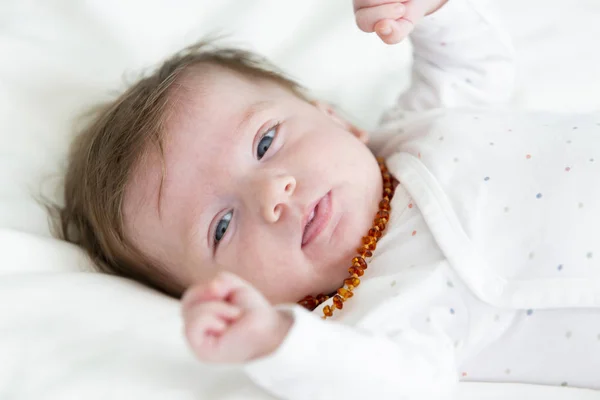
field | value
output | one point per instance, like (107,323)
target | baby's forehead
(207,82)
(216,103)
(218,89)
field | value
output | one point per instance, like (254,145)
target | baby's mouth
(317,219)
(309,223)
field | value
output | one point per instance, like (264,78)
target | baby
(469,254)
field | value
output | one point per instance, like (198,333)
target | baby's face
(259,183)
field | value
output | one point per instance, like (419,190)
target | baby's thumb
(393,31)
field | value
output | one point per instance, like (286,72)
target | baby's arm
(327,360)
(296,355)
(461,58)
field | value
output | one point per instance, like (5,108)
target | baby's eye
(265,142)
(222,226)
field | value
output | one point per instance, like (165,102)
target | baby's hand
(393,20)
(227,321)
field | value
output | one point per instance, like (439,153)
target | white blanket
(66,333)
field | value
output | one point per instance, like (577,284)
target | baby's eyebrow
(252,110)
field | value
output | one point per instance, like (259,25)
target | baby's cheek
(278,274)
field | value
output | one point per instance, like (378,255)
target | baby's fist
(392,20)
(228,321)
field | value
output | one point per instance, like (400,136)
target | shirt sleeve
(461,58)
(325,360)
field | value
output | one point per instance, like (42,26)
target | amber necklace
(359,264)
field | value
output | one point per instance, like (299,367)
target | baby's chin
(337,274)
(324,283)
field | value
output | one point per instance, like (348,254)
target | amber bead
(379,219)
(381,223)
(338,302)
(375,232)
(309,303)
(368,239)
(305,303)
(322,297)
(360,262)
(385,205)
(356,270)
(327,311)
(368,247)
(352,282)
(387,191)
(364,252)
(383,214)
(346,294)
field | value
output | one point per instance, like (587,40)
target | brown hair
(104,154)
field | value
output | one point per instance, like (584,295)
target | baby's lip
(322,210)
(308,211)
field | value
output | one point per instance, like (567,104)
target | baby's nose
(275,194)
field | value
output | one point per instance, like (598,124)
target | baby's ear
(328,110)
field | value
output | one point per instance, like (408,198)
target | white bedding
(67,333)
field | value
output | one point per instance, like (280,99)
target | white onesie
(490,266)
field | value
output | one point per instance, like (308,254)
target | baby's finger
(367,17)
(358,4)
(203,336)
(392,32)
(223,310)
(198,325)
